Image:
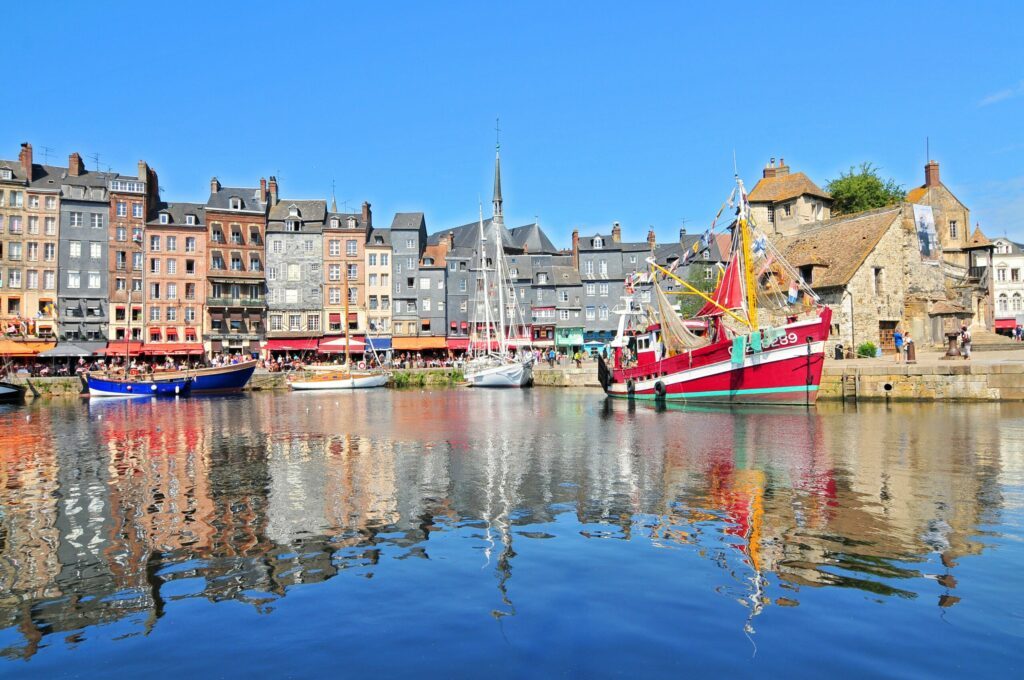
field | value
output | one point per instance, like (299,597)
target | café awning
(118,348)
(337,344)
(1006,324)
(419,343)
(380,344)
(291,344)
(457,343)
(73,349)
(160,349)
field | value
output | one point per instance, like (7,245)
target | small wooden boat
(11,393)
(340,380)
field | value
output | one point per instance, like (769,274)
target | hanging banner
(927,238)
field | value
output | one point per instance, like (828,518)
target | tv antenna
(95,158)
(46,154)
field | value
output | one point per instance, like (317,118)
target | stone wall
(955,381)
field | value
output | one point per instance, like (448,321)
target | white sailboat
(343,377)
(492,362)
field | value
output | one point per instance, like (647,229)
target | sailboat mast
(748,261)
(346,321)
(499,277)
(483,274)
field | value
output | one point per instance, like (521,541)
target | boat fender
(153,387)
(630,386)
(129,388)
(659,388)
(177,388)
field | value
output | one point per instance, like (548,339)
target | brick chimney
(368,216)
(931,174)
(75,167)
(782,169)
(576,248)
(273,190)
(616,233)
(25,158)
(451,240)
(651,241)
(214,185)
(769,169)
(263,189)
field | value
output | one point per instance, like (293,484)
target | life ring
(362,365)
(630,386)
(659,389)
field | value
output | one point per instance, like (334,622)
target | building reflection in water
(242,498)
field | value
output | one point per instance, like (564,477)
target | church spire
(497,171)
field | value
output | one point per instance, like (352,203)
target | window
(1001,274)
(16,199)
(353,295)
(216,262)
(172,243)
(190,291)
(334,272)
(49,252)
(291,296)
(1016,302)
(190,314)
(385,302)
(254,263)
(590,313)
(879,280)
(563,295)
(353,272)
(235,204)
(154,291)
(952,229)
(787,209)
(425,305)
(295,322)
(334,248)
(372,260)
(51,203)
(95,250)
(32,279)
(598,243)
(121,234)
(410,244)
(603,290)
(33,251)
(154,265)
(277,246)
(563,314)
(190,244)
(120,284)
(136,285)
(384,259)
(1015,274)
(334,296)
(122,209)
(15,251)
(172,266)
(271,273)
(462,285)
(307,245)
(350,248)
(74,279)
(50,226)
(154,313)
(603,268)
(591,289)
(236,263)
(372,281)
(94,280)
(603,312)
(384,280)
(190,220)
(49,279)
(313,322)
(294,272)
(588,267)
(410,263)
(74,248)
(1004,305)
(172,291)
(172,313)
(33,224)
(771,214)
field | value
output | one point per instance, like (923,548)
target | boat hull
(11,393)
(356,382)
(134,389)
(788,372)
(222,379)
(503,375)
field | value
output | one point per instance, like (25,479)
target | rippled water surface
(508,534)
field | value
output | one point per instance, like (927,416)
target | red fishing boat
(759,337)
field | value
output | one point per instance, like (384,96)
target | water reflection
(111,511)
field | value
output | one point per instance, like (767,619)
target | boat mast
(743,225)
(498,223)
(501,291)
(346,323)
(483,274)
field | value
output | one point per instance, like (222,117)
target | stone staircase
(987,341)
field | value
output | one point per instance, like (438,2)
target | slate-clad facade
(295,282)
(83,303)
(408,240)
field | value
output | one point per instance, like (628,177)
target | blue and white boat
(132,387)
(231,378)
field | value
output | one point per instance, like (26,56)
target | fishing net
(676,337)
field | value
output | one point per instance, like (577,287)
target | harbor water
(515,533)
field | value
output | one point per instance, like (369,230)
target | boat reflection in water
(115,511)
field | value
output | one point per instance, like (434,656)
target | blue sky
(609,111)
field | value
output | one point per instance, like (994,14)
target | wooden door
(885,334)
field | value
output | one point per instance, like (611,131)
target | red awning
(291,344)
(119,347)
(457,343)
(353,316)
(163,348)
(1006,324)
(465,324)
(334,318)
(336,344)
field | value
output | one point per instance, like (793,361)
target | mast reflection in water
(533,531)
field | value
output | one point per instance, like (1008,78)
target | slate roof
(468,235)
(250,199)
(177,213)
(309,211)
(412,220)
(663,253)
(384,234)
(532,239)
(838,246)
(565,276)
(783,188)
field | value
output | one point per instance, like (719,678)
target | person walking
(897,338)
(909,349)
(965,342)
(578,358)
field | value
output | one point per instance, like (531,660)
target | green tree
(695,276)
(862,189)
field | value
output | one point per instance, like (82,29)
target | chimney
(273,190)
(214,185)
(451,238)
(263,189)
(75,167)
(931,174)
(143,171)
(616,233)
(769,169)
(651,239)
(25,158)
(576,248)
(682,235)
(368,216)
(782,169)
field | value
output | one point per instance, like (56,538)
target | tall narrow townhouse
(236,306)
(378,287)
(408,239)
(295,282)
(29,212)
(176,280)
(130,201)
(344,253)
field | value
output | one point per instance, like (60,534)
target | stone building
(29,214)
(236,278)
(82,291)
(295,280)
(604,261)
(378,286)
(131,199)
(781,201)
(345,269)
(176,279)
(431,293)
(408,241)
(1008,275)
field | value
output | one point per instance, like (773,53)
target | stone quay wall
(949,381)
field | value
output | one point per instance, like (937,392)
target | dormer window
(351,222)
(428,262)
(378,240)
(598,242)
(6,173)
(235,203)
(165,218)
(335,223)
(190,220)
(293,211)
(292,225)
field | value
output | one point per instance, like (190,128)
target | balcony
(235,302)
